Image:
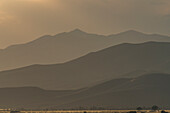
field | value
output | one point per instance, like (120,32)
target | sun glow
(38,1)
(45,2)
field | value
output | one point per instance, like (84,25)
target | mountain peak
(131,32)
(77,31)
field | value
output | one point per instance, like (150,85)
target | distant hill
(67,46)
(29,97)
(124,60)
(146,90)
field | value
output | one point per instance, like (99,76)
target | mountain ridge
(140,91)
(66,46)
(93,68)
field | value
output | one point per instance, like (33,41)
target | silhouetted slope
(51,49)
(28,97)
(113,62)
(67,46)
(146,90)
(132,36)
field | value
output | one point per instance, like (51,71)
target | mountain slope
(29,97)
(94,68)
(146,90)
(67,46)
(50,49)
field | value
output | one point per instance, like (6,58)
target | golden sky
(24,20)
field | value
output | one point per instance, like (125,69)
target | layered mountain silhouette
(124,60)
(67,46)
(145,90)
(29,97)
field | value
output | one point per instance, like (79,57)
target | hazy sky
(25,20)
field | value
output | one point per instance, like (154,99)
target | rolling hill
(114,62)
(29,97)
(67,46)
(146,90)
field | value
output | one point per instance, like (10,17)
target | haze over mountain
(121,58)
(67,46)
(146,90)
(124,60)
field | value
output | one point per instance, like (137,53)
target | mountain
(146,90)
(124,60)
(50,49)
(29,97)
(67,46)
